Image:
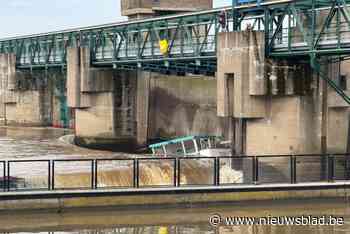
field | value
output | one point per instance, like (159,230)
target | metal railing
(63,174)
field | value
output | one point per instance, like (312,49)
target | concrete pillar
(337,115)
(78,76)
(103,99)
(143,96)
(11,77)
(3,84)
(241,82)
(241,54)
(26,96)
(289,77)
(8,81)
(273,78)
(125,104)
(181,106)
(73,77)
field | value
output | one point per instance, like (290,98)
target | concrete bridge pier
(170,106)
(241,83)
(32,98)
(104,102)
(278,106)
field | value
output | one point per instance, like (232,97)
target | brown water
(178,220)
(28,143)
(37,143)
(44,144)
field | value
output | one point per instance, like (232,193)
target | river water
(190,220)
(17,143)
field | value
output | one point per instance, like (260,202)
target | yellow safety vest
(163,230)
(164,46)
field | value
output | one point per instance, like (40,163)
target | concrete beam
(93,80)
(8,62)
(78,73)
(73,77)
(11,74)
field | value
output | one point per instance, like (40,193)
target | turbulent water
(36,143)
(42,144)
(20,144)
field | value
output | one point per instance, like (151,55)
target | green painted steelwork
(60,92)
(192,37)
(182,139)
(289,26)
(305,29)
(192,42)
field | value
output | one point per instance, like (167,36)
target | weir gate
(172,172)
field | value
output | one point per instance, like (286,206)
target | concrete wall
(241,55)
(144,8)
(306,122)
(104,101)
(126,199)
(288,128)
(181,106)
(338,110)
(30,98)
(286,109)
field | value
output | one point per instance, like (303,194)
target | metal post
(53,175)
(234,16)
(8,176)
(256,170)
(49,175)
(291,165)
(253,170)
(347,165)
(179,172)
(294,169)
(217,171)
(92,174)
(96,174)
(4,171)
(330,168)
(137,173)
(175,172)
(134,173)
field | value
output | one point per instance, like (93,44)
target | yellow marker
(163,230)
(164,46)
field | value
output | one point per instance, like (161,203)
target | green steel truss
(293,28)
(129,45)
(305,29)
(316,27)
(191,39)
(313,29)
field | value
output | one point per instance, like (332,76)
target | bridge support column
(27,98)
(337,116)
(280,118)
(177,106)
(241,82)
(142,114)
(104,100)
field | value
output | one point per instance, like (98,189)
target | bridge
(294,36)
(192,37)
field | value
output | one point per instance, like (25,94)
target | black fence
(24,175)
